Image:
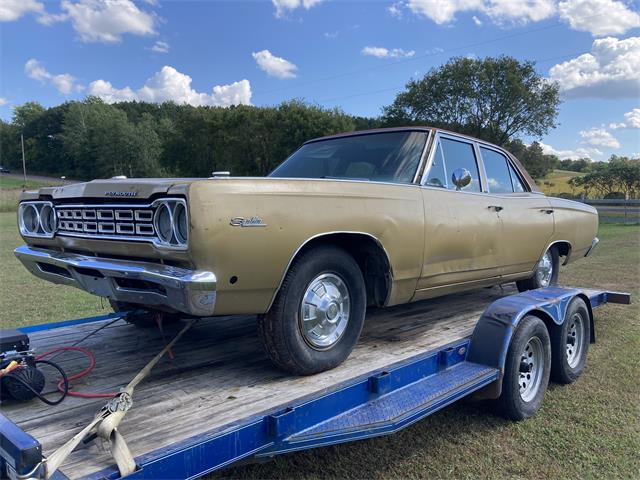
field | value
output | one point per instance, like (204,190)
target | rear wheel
(317,316)
(527,368)
(546,272)
(142,317)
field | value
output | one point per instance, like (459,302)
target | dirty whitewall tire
(325,272)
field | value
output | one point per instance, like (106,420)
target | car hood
(134,189)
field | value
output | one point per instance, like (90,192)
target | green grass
(27,300)
(590,429)
(12,186)
(557,182)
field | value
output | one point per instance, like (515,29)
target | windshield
(381,157)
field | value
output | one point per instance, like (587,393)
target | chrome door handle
(547,210)
(496,208)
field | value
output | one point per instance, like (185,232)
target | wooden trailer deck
(219,373)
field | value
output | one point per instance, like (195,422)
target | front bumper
(189,291)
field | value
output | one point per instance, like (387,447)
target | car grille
(106,221)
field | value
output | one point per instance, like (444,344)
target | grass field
(557,182)
(590,429)
(12,185)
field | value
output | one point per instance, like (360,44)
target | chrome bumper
(188,291)
(594,243)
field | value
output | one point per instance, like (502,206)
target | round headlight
(29,218)
(180,223)
(48,219)
(164,223)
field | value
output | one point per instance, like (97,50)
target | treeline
(92,139)
(617,178)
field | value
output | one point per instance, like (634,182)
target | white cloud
(382,52)
(617,126)
(611,70)
(11,10)
(599,137)
(477,21)
(63,82)
(633,118)
(107,20)
(599,17)
(3,101)
(274,66)
(285,6)
(501,11)
(170,85)
(395,9)
(160,47)
(570,154)
(331,35)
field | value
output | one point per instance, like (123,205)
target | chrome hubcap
(544,271)
(531,369)
(324,312)
(575,340)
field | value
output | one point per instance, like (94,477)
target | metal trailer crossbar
(220,401)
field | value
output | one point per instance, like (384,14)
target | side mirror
(461,178)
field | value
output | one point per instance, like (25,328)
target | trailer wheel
(317,316)
(570,343)
(527,368)
(545,274)
(143,320)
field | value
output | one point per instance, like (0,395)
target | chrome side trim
(189,291)
(594,244)
(320,235)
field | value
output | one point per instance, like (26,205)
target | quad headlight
(171,223)
(37,219)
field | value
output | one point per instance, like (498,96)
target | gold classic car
(371,218)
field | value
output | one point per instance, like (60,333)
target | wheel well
(564,250)
(370,257)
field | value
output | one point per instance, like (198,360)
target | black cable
(65,382)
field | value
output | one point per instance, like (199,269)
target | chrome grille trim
(107,221)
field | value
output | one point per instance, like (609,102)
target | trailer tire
(527,368)
(570,343)
(553,257)
(290,341)
(146,319)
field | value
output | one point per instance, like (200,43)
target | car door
(527,217)
(462,229)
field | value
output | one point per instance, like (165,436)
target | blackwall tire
(570,343)
(302,337)
(527,369)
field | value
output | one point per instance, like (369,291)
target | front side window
(382,157)
(497,168)
(458,154)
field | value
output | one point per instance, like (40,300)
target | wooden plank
(220,373)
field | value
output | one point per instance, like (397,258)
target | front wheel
(318,314)
(545,274)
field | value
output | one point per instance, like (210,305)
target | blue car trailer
(217,400)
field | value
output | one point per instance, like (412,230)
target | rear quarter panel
(576,223)
(295,211)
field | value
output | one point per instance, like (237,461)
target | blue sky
(355,55)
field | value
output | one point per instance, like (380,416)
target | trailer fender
(493,332)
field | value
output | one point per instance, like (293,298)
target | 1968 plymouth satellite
(373,218)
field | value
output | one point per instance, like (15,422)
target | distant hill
(557,181)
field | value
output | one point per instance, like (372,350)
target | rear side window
(518,186)
(497,168)
(459,154)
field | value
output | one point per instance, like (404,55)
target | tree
(496,99)
(537,163)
